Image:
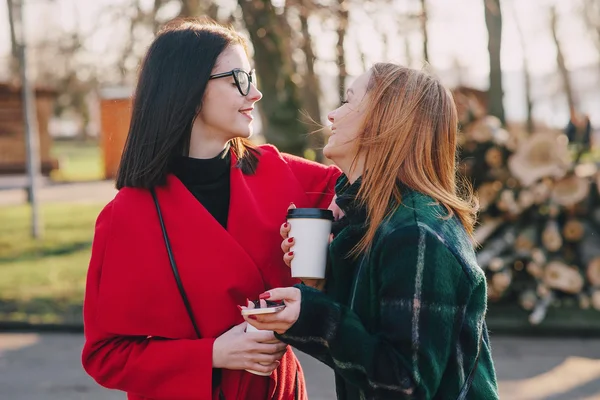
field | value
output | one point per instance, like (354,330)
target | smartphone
(271,308)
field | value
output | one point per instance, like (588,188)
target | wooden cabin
(115,116)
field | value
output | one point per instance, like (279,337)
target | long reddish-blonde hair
(409,137)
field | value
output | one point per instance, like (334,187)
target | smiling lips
(247,112)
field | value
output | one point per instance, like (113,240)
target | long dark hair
(168,97)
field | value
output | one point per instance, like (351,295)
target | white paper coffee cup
(310,228)
(250,328)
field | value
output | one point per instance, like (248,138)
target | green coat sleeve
(422,296)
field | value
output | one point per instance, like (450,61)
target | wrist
(216,355)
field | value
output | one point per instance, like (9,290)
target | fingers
(284,230)
(262,358)
(287,244)
(288,293)
(337,212)
(287,258)
(268,321)
(254,366)
(270,348)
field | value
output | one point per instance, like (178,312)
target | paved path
(97,191)
(47,367)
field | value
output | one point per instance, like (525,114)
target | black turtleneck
(208,181)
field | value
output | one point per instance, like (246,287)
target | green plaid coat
(406,320)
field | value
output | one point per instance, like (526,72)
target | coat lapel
(219,268)
(258,207)
(205,251)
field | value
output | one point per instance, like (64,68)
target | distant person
(162,321)
(579,129)
(402,315)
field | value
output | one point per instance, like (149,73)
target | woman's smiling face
(347,120)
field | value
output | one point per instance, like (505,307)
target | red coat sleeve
(145,366)
(318,180)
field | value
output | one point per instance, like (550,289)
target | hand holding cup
(307,234)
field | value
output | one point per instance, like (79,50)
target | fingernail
(285,225)
(264,296)
(248,301)
(239,307)
(290,240)
(252,317)
(292,203)
(291,253)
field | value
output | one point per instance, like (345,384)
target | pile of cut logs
(538,237)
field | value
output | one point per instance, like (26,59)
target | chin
(328,153)
(244,133)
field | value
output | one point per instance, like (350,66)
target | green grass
(43,281)
(78,161)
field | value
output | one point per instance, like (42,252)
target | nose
(331,116)
(254,94)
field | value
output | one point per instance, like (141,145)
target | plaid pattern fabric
(404,321)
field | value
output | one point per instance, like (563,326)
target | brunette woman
(192,232)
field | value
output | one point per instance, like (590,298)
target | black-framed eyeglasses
(242,79)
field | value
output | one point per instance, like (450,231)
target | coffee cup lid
(317,213)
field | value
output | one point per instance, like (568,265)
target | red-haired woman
(402,315)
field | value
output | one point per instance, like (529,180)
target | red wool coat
(138,336)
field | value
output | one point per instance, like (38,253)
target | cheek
(217,109)
(356,122)
(209,113)
(350,120)
(223,98)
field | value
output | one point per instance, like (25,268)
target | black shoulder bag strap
(184,297)
(186,302)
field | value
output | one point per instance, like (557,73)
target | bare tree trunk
(342,17)
(122,62)
(195,8)
(312,91)
(14,46)
(493,21)
(591,15)
(408,51)
(189,8)
(362,55)
(526,74)
(423,21)
(155,24)
(281,103)
(560,60)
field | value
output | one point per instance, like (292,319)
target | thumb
(288,293)
(292,205)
